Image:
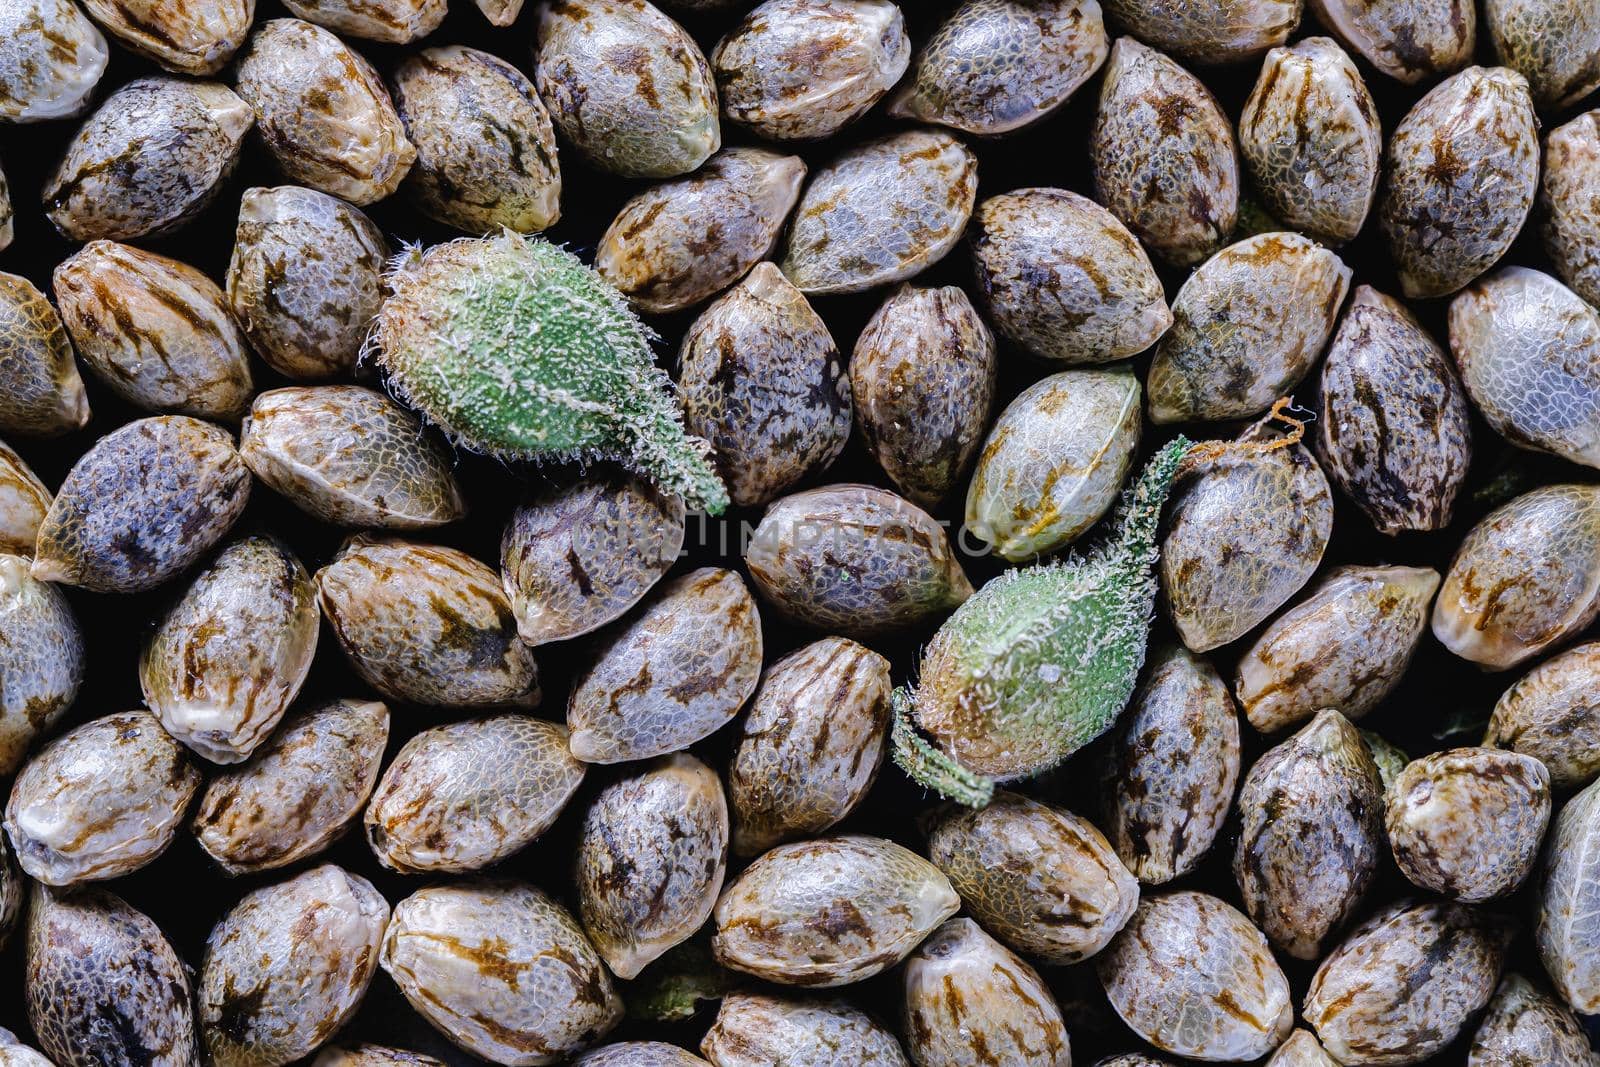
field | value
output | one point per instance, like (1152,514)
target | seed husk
(194,39)
(1525,1025)
(41,657)
(24,500)
(1228,31)
(1552,713)
(1555,44)
(754,1029)
(44,396)
(1569,946)
(388,21)
(51,59)
(1567,194)
(1408,40)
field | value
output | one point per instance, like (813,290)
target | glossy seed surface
(755,1029)
(186,37)
(1569,196)
(46,397)
(24,499)
(388,21)
(1555,44)
(1568,903)
(42,657)
(1552,713)
(52,60)
(1407,40)
(1525,1026)
(1227,31)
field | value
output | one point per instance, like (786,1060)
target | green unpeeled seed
(517,349)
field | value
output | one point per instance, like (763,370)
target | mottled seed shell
(1042,880)
(389,21)
(856,560)
(1190,975)
(7,215)
(1395,433)
(1524,1027)
(303,788)
(1163,155)
(1568,895)
(811,744)
(1409,40)
(674,672)
(183,37)
(99,801)
(1168,777)
(372,1056)
(228,658)
(1525,578)
(580,555)
(352,457)
(51,58)
(761,380)
(881,212)
(1311,835)
(323,112)
(1529,353)
(1463,170)
(680,242)
(801,70)
(156,331)
(1344,646)
(969,1000)
(1054,462)
(1311,142)
(15,1054)
(142,505)
(757,1030)
(1133,1059)
(150,158)
(1467,823)
(1248,325)
(1555,44)
(1065,280)
(426,624)
(24,499)
(41,658)
(288,966)
(830,911)
(1405,982)
(639,1054)
(305,279)
(922,380)
(1553,714)
(103,984)
(502,970)
(468,794)
(1245,533)
(650,861)
(1220,31)
(994,66)
(1302,1050)
(626,86)
(486,152)
(43,396)
(1569,195)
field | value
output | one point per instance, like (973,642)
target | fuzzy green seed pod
(517,349)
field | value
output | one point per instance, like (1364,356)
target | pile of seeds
(626,536)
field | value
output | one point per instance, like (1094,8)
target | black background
(186,895)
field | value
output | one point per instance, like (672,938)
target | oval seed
(650,861)
(1225,31)
(673,673)
(41,658)
(486,152)
(830,911)
(1553,714)
(1344,646)
(763,382)
(1524,1025)
(1463,170)
(1395,432)
(143,504)
(196,39)
(1064,279)
(1529,352)
(426,624)
(1552,43)
(1163,155)
(99,801)
(1525,578)
(372,1056)
(1567,911)
(352,457)
(626,86)
(1301,1050)
(1467,823)
(855,559)
(801,70)
(683,241)
(227,659)
(287,967)
(638,1054)
(44,396)
(811,744)
(1569,194)
(579,556)
(1409,40)
(24,500)
(323,112)
(756,1030)
(1247,327)
(300,791)
(305,279)
(462,796)
(1054,462)
(150,158)
(922,380)
(51,58)
(881,212)
(500,969)
(15,1054)
(389,21)
(1168,778)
